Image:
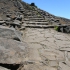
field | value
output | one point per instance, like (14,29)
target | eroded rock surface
(10,33)
(48,49)
(12,52)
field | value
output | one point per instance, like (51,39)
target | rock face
(28,40)
(12,52)
(12,48)
(10,33)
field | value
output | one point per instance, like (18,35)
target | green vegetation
(30,7)
(33,4)
(56,28)
(39,15)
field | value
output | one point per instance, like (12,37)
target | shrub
(39,15)
(56,28)
(32,4)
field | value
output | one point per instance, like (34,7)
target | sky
(56,7)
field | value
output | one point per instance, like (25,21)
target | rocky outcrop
(10,33)
(12,52)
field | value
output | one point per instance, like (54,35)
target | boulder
(12,52)
(57,20)
(2,22)
(10,33)
(16,22)
(19,17)
(8,19)
(67,29)
(8,15)
(61,29)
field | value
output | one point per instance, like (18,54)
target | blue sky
(55,7)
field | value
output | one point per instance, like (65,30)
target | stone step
(31,14)
(30,11)
(65,49)
(38,26)
(35,18)
(36,23)
(41,26)
(40,20)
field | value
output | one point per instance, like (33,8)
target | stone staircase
(28,17)
(37,22)
(34,21)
